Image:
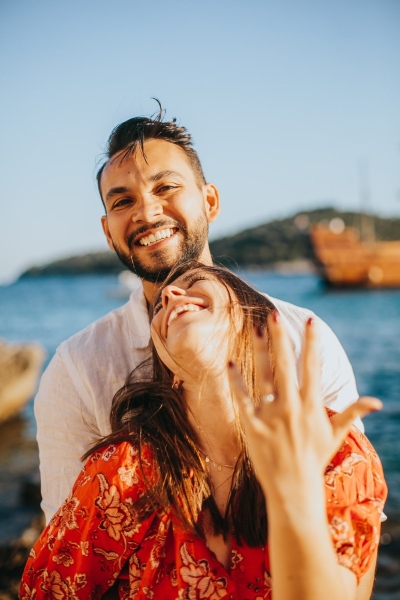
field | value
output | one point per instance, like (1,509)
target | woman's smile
(180,309)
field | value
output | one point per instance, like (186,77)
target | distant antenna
(367,225)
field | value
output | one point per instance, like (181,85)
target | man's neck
(151,288)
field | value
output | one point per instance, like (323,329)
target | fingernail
(259,331)
(310,321)
(276,317)
(230,364)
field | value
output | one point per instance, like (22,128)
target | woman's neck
(212,414)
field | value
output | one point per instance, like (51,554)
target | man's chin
(158,264)
(155,274)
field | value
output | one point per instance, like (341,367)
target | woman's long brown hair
(148,411)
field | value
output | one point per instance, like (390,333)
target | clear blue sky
(283,98)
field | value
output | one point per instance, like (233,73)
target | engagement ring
(269,398)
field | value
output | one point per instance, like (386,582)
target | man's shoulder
(294,317)
(127,325)
(289,310)
(111,321)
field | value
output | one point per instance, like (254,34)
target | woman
(200,492)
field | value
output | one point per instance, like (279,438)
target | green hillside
(261,246)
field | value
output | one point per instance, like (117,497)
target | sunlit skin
(157,196)
(194,344)
(190,327)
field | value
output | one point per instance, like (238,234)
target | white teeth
(182,308)
(158,235)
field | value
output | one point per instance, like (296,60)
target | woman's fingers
(342,422)
(310,387)
(285,364)
(263,364)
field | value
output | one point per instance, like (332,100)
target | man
(158,206)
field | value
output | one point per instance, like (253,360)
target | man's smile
(153,238)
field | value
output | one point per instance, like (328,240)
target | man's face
(156,213)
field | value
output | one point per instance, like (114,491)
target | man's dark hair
(131,135)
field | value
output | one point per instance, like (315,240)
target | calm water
(49,310)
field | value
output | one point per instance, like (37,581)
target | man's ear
(104,224)
(211,200)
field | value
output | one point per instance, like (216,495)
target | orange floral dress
(95,540)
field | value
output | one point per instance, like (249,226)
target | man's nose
(147,209)
(169,293)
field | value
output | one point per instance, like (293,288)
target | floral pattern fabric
(95,540)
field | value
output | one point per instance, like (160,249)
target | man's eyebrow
(114,191)
(162,174)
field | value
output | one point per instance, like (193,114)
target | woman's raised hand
(290,437)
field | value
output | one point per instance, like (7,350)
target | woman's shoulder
(355,470)
(124,465)
(356,454)
(355,494)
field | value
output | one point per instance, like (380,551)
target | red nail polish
(259,331)
(230,364)
(310,321)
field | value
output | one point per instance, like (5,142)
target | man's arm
(65,429)
(338,385)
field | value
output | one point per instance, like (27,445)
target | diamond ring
(269,398)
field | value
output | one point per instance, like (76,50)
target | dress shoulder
(85,546)
(355,492)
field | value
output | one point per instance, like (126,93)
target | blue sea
(49,310)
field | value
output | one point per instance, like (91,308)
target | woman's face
(191,326)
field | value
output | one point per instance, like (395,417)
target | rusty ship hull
(343,260)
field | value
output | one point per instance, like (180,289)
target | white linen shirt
(73,403)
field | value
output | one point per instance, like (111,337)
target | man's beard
(190,248)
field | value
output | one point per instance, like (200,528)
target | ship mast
(367,224)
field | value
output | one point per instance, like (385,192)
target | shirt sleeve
(338,385)
(65,429)
(82,551)
(337,377)
(356,492)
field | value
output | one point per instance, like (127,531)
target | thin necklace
(207,458)
(218,466)
(221,484)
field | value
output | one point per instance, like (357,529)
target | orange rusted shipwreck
(343,260)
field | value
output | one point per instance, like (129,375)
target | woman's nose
(170,292)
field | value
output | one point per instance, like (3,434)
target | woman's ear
(176,383)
